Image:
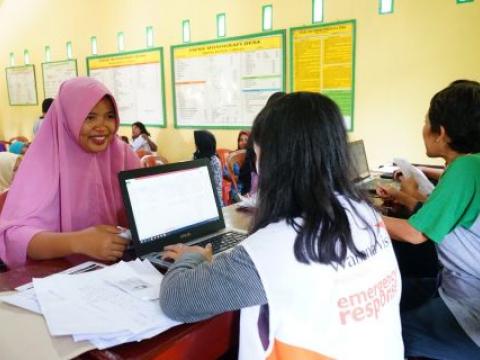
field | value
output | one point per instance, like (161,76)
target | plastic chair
(226,183)
(223,156)
(236,157)
(19,138)
(141,153)
(150,161)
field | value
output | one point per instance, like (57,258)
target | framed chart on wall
(21,85)
(56,72)
(225,83)
(136,80)
(323,60)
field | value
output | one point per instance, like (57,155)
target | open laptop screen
(359,158)
(171,202)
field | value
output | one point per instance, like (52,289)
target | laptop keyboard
(222,242)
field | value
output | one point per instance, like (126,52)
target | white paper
(225,89)
(80,268)
(387,169)
(66,311)
(425,187)
(89,307)
(25,299)
(138,278)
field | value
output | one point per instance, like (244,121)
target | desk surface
(210,338)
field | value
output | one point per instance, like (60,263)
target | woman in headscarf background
(206,148)
(74,204)
(8,165)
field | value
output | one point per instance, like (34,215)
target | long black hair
(141,126)
(205,143)
(304,165)
(457,109)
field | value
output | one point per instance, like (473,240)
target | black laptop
(174,203)
(362,176)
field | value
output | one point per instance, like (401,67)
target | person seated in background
(45,106)
(247,177)
(247,174)
(206,148)
(65,198)
(408,195)
(318,262)
(441,317)
(125,139)
(8,166)
(141,138)
(242,139)
(242,142)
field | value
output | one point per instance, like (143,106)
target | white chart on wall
(225,84)
(21,85)
(136,82)
(55,73)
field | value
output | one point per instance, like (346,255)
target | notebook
(174,203)
(362,176)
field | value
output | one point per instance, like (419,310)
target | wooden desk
(208,339)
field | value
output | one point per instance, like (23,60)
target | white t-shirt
(335,311)
(139,143)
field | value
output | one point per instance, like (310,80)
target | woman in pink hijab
(65,198)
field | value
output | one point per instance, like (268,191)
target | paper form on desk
(25,296)
(80,268)
(424,185)
(90,307)
(26,299)
(138,278)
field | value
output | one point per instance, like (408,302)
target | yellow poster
(323,61)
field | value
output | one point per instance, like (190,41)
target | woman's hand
(397,196)
(387,192)
(409,186)
(176,251)
(100,242)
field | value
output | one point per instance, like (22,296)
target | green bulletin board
(21,85)
(136,80)
(225,83)
(55,73)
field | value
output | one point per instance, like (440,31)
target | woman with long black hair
(317,278)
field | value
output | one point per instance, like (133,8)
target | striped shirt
(194,289)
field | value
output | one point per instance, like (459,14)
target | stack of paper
(107,307)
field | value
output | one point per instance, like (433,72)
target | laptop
(174,203)
(362,176)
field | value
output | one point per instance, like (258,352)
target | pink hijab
(60,187)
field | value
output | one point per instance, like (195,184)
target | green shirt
(454,202)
